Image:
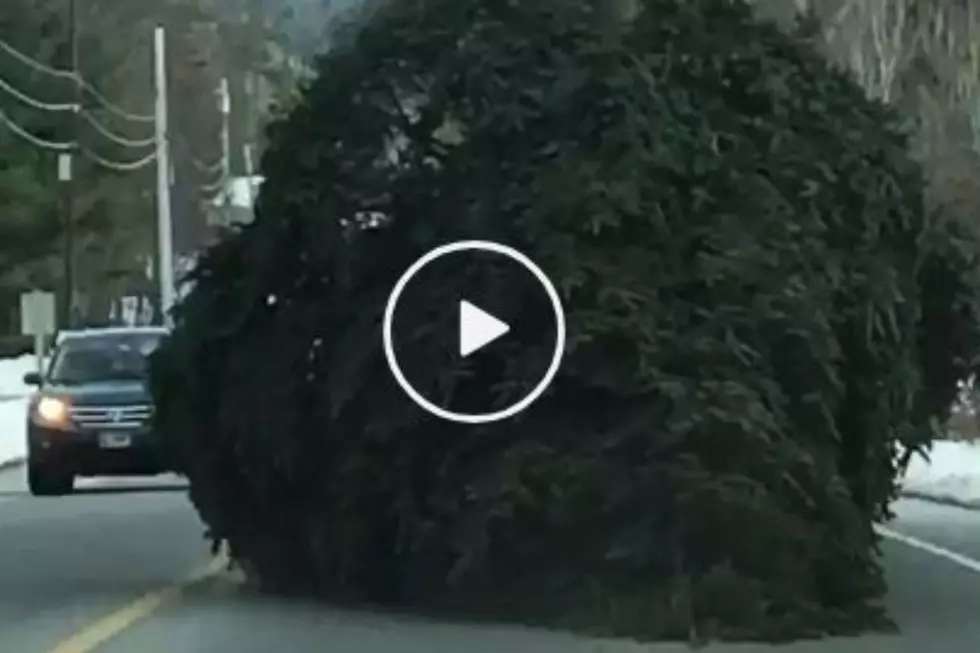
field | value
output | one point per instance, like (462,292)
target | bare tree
(949,86)
(873,38)
(922,56)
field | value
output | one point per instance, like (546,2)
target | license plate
(115,440)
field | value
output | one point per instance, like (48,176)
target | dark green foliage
(762,319)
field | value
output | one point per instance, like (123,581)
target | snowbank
(12,371)
(13,421)
(13,406)
(952,473)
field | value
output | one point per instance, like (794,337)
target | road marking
(90,638)
(97,633)
(928,547)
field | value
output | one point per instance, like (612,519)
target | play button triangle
(477,328)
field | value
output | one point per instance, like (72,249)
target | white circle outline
(560,329)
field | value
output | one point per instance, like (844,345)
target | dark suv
(91,413)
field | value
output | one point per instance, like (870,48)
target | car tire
(45,481)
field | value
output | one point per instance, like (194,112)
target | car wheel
(45,481)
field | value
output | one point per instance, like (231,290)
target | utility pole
(248,151)
(247,157)
(165,236)
(66,175)
(224,98)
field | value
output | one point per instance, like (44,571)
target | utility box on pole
(37,318)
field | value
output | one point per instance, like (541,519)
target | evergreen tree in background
(114,209)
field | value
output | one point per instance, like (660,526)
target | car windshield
(95,359)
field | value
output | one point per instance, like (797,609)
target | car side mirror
(32,378)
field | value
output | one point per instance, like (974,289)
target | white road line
(928,547)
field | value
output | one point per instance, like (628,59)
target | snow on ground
(13,405)
(13,421)
(951,473)
(12,371)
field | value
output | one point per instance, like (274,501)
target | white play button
(477,328)
(419,328)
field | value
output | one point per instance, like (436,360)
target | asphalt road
(97,572)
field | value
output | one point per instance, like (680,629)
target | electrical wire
(118,166)
(34,102)
(92,90)
(41,143)
(217,166)
(114,108)
(114,137)
(78,79)
(34,63)
(204,168)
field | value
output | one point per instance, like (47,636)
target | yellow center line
(97,633)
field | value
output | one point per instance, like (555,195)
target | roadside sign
(37,318)
(37,313)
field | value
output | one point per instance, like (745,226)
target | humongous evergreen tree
(764,316)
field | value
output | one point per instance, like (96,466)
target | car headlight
(52,412)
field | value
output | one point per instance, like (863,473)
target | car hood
(104,393)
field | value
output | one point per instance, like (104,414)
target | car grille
(111,417)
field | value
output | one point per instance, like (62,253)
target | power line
(98,126)
(34,63)
(73,75)
(114,137)
(34,102)
(82,89)
(113,108)
(118,166)
(215,186)
(63,107)
(51,146)
(217,166)
(218,188)
(204,168)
